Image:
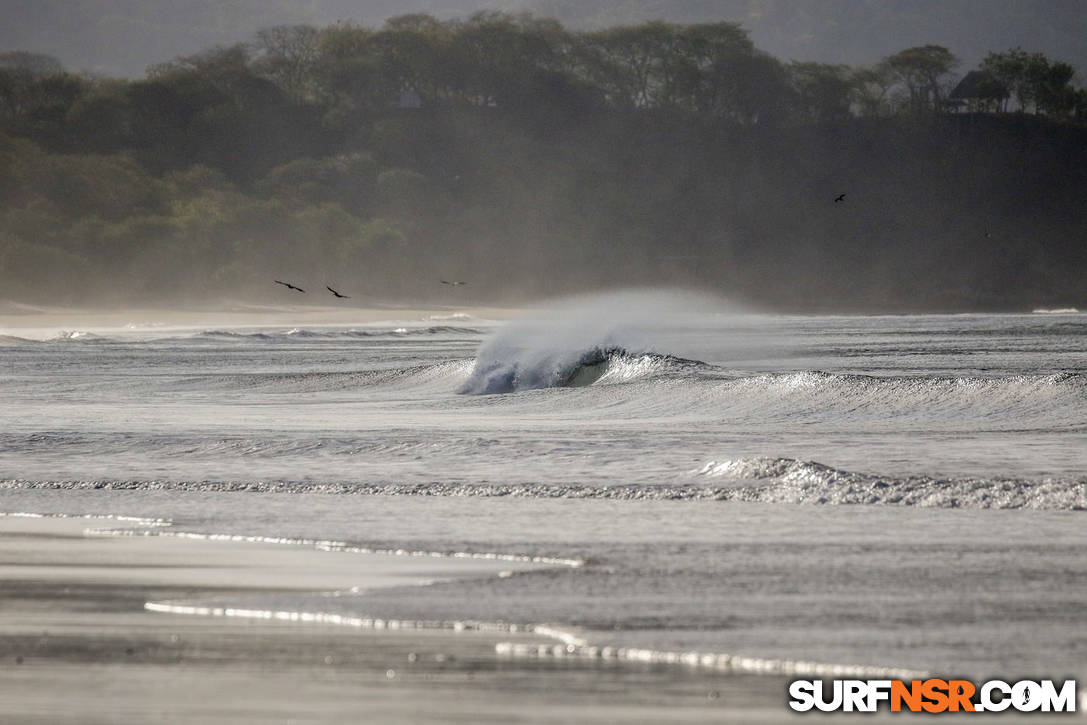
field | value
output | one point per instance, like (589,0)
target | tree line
(499,146)
(514,62)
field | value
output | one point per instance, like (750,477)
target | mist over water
(579,340)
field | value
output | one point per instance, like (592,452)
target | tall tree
(871,88)
(631,63)
(821,92)
(37,64)
(707,65)
(924,72)
(414,55)
(288,54)
(1038,83)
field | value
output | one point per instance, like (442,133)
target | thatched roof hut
(979,85)
(978,91)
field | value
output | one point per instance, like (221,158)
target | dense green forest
(525,159)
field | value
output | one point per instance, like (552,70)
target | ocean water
(904,492)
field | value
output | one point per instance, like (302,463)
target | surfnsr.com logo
(932,696)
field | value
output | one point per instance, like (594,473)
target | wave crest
(746,480)
(787,480)
(568,369)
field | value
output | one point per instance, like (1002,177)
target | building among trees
(978,91)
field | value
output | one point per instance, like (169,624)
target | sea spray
(574,341)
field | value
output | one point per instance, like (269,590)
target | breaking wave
(581,341)
(77,335)
(569,369)
(666,386)
(748,480)
(787,480)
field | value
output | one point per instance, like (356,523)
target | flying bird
(337,294)
(454,284)
(840,197)
(290,286)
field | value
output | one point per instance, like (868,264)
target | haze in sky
(123,37)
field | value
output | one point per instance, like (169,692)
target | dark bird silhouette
(840,197)
(290,286)
(337,294)
(454,284)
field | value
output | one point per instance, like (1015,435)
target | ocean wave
(580,341)
(226,335)
(76,336)
(452,316)
(746,480)
(787,480)
(569,369)
(914,392)
(663,387)
(298,333)
(13,341)
(441,375)
(689,392)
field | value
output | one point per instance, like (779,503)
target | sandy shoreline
(77,645)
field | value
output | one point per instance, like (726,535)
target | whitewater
(882,492)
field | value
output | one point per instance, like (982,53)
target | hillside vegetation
(525,158)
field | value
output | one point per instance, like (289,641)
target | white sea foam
(141,521)
(785,480)
(752,480)
(577,341)
(341,546)
(576,647)
(75,335)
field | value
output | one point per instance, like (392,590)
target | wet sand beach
(78,646)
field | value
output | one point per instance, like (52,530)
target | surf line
(566,643)
(341,546)
(132,520)
(576,647)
